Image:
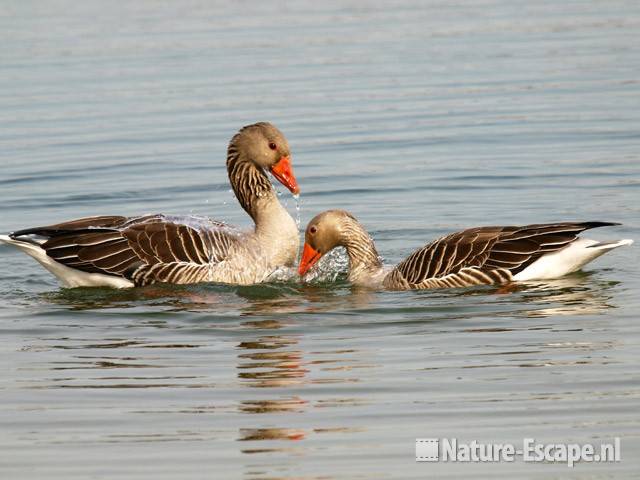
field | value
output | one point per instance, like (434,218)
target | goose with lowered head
(476,256)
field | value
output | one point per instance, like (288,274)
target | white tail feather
(568,260)
(69,277)
(612,245)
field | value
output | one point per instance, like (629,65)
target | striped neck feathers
(363,256)
(250,183)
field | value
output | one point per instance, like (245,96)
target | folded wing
(483,255)
(145,250)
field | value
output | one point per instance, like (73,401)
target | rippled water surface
(420,118)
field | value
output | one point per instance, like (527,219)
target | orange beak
(284,173)
(309,258)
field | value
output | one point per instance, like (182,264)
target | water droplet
(296,197)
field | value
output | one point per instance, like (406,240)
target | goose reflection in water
(577,294)
(271,361)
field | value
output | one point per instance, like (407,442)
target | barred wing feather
(483,255)
(145,250)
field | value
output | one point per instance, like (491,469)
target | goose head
(266,147)
(324,232)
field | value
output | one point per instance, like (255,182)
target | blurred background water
(420,118)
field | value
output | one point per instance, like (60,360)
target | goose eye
(272,146)
(313,230)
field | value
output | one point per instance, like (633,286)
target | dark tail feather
(54,232)
(589,225)
(81,225)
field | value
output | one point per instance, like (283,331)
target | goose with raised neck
(122,252)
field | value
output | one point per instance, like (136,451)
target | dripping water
(296,197)
(285,202)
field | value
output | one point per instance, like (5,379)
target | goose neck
(250,183)
(364,261)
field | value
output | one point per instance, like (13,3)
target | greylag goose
(477,256)
(136,251)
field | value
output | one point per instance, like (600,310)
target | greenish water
(421,118)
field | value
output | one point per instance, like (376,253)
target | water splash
(296,197)
(333,265)
(283,274)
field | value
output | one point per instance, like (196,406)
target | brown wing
(483,255)
(149,249)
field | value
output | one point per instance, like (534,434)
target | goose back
(145,250)
(483,255)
